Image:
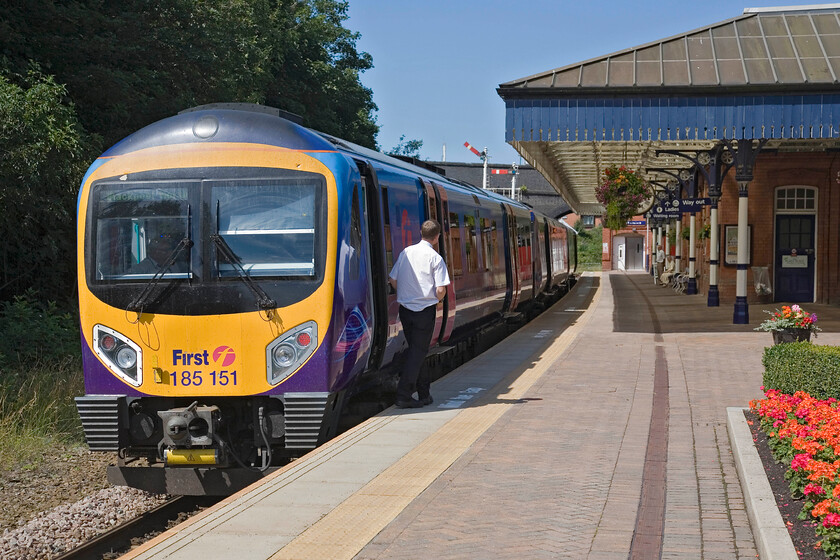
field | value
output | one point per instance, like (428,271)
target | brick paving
(561,474)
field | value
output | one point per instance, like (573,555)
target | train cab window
(270,227)
(455,235)
(138,230)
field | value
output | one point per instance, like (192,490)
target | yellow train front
(206,299)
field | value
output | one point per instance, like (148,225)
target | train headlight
(289,351)
(119,353)
(126,358)
(284,355)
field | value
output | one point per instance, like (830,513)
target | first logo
(225,353)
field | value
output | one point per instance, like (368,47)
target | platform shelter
(737,127)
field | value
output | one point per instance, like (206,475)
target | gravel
(65,500)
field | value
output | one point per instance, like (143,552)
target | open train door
(437,208)
(512,254)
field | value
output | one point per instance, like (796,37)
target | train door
(550,270)
(512,259)
(538,243)
(437,208)
(376,270)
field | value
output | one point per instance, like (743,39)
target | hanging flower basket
(621,193)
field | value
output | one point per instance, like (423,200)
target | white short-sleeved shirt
(418,271)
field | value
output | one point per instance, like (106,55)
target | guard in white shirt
(420,278)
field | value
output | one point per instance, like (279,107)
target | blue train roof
(223,123)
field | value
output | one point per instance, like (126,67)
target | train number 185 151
(195,378)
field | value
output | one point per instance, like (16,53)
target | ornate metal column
(720,160)
(744,163)
(691,286)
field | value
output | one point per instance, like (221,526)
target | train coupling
(192,426)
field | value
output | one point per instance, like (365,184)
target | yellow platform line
(355,522)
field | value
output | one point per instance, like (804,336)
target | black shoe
(410,403)
(426,401)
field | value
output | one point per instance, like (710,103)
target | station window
(588,221)
(796,199)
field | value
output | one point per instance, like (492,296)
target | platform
(598,430)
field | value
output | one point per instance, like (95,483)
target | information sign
(693,204)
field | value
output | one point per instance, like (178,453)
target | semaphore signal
(484,157)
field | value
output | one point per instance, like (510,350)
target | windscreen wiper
(141,300)
(263,301)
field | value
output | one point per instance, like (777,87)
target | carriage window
(488,235)
(455,235)
(471,242)
(269,226)
(138,229)
(386,221)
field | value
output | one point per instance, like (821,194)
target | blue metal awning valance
(672,118)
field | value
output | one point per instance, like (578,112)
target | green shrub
(802,366)
(35,332)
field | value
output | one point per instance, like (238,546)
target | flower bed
(804,435)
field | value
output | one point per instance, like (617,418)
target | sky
(437,63)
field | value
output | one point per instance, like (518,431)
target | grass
(37,411)
(589,266)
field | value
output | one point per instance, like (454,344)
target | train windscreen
(269,227)
(139,228)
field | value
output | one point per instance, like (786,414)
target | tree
(127,64)
(409,148)
(44,156)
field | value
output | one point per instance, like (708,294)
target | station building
(739,120)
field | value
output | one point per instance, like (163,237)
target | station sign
(693,205)
(635,222)
(665,210)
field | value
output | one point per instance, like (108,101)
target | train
(233,295)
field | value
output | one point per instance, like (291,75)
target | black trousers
(418,327)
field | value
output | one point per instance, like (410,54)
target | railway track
(121,537)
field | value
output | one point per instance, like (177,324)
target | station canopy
(768,73)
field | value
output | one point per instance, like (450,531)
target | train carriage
(233,289)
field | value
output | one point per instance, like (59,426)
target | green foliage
(33,332)
(40,373)
(409,148)
(589,246)
(44,157)
(803,366)
(127,64)
(830,544)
